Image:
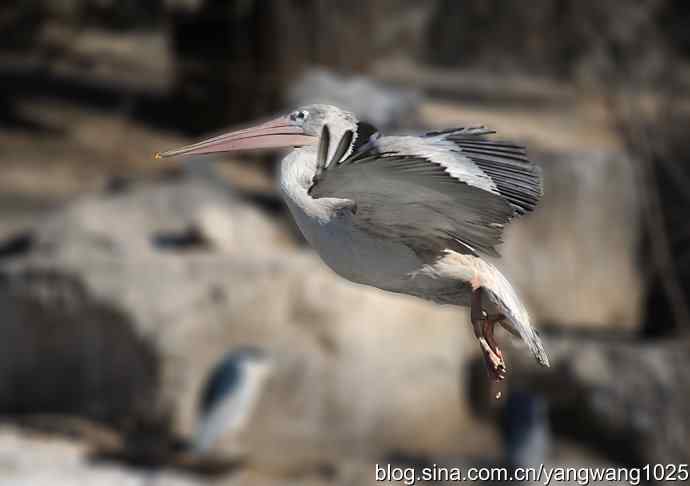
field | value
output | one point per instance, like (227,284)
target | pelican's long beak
(278,133)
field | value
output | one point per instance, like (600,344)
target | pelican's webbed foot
(483,325)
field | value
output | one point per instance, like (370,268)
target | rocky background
(124,280)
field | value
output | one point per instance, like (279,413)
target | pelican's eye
(299,116)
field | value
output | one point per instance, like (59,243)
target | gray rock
(125,301)
(144,221)
(628,397)
(575,259)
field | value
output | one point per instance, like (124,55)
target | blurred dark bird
(405,214)
(230,396)
(525,429)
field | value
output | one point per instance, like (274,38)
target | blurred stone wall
(575,260)
(235,59)
(123,302)
(565,38)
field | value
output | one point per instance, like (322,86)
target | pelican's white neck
(297,171)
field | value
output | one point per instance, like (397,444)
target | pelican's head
(301,127)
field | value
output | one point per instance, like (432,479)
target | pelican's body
(383,263)
(348,251)
(411,215)
(364,258)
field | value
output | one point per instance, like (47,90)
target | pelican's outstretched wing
(444,190)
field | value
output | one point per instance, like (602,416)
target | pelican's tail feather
(530,336)
(517,320)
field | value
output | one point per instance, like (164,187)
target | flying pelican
(406,214)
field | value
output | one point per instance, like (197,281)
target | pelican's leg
(483,325)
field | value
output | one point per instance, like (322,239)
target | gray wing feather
(520,328)
(516,178)
(322,152)
(343,147)
(444,190)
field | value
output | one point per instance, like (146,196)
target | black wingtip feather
(363,134)
(517,178)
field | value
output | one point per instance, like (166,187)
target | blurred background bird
(525,429)
(229,396)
